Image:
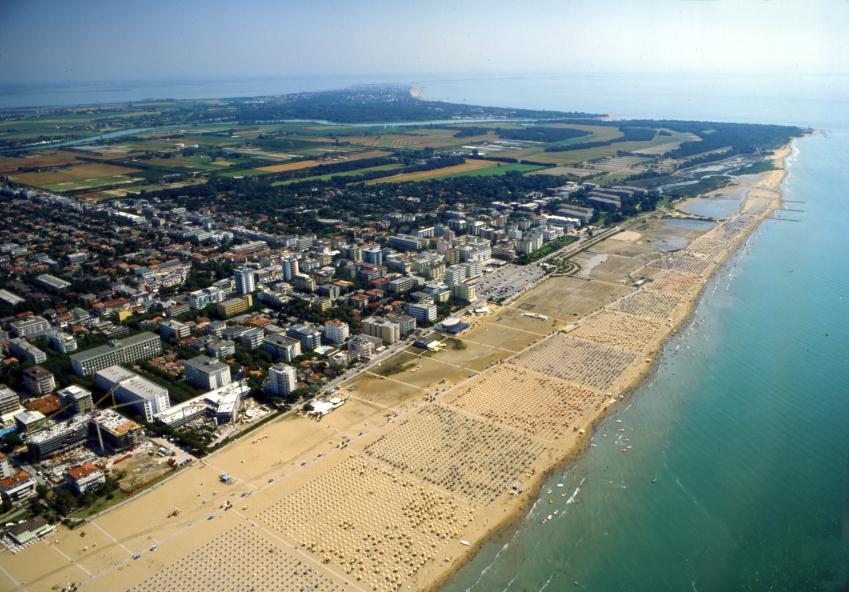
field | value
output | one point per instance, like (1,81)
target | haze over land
(100,40)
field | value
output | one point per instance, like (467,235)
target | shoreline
(505,409)
(510,523)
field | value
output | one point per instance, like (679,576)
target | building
(373,255)
(172,330)
(30,530)
(282,347)
(62,342)
(401,285)
(404,242)
(252,338)
(423,312)
(38,381)
(147,398)
(364,346)
(245,278)
(572,211)
(115,431)
(283,380)
(5,467)
(22,348)
(221,349)
(16,487)
(455,274)
(84,478)
(10,298)
(10,402)
(406,323)
(206,296)
(234,306)
(206,372)
(51,282)
(29,421)
(308,334)
(336,332)
(76,399)
(387,331)
(221,405)
(466,292)
(58,438)
(30,326)
(290,268)
(119,351)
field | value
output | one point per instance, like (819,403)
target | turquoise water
(738,476)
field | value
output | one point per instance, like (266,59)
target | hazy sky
(120,39)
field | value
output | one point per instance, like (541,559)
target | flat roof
(206,364)
(114,422)
(94,352)
(59,429)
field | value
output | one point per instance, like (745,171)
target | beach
(398,487)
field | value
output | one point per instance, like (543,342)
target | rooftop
(114,422)
(205,364)
(59,429)
(78,472)
(113,345)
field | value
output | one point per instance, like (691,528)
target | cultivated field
(449,171)
(77,176)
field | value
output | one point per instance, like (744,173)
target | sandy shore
(430,456)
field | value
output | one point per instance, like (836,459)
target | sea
(737,478)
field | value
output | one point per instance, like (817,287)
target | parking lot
(508,281)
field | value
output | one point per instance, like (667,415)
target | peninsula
(378,330)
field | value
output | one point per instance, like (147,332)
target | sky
(93,40)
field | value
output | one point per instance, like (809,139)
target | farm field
(305,164)
(388,168)
(449,171)
(419,138)
(45,158)
(77,176)
(498,169)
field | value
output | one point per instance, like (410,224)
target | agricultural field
(78,176)
(450,171)
(418,139)
(37,160)
(498,168)
(387,168)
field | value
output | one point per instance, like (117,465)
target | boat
(465,543)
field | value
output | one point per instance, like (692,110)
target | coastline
(288,458)
(766,187)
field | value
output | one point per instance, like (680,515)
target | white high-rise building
(284,379)
(336,331)
(245,278)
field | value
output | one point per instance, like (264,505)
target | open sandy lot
(568,298)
